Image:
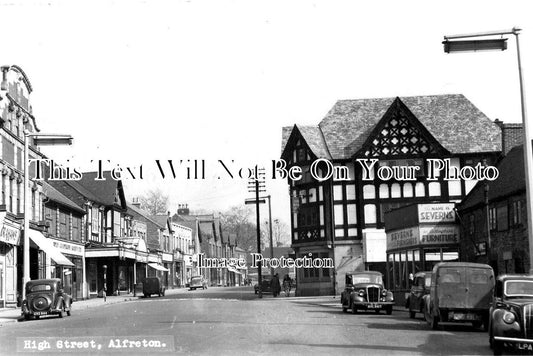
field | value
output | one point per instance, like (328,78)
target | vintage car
(197,282)
(265,285)
(420,288)
(511,313)
(365,291)
(46,297)
(153,285)
(459,292)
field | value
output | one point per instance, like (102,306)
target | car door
(417,291)
(451,287)
(479,287)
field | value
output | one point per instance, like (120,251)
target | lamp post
(41,140)
(501,44)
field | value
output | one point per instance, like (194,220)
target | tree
(238,220)
(280,233)
(155,202)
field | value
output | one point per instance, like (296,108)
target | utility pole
(257,184)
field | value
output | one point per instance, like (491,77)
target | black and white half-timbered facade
(387,153)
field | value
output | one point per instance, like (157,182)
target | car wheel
(344,309)
(26,316)
(412,314)
(37,317)
(163,292)
(68,312)
(62,310)
(497,347)
(354,309)
(389,310)
(255,291)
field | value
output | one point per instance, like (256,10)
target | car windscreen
(40,288)
(427,280)
(196,279)
(365,278)
(518,288)
(450,275)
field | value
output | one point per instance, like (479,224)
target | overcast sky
(135,81)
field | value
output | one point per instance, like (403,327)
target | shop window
(339,232)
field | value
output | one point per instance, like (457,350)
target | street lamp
(42,140)
(501,44)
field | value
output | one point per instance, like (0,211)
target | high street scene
(201,177)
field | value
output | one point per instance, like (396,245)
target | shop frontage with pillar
(73,277)
(418,237)
(9,245)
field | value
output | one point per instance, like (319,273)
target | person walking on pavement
(287,285)
(275,287)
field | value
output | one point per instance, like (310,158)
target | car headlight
(509,317)
(361,293)
(384,293)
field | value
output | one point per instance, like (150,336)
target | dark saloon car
(420,288)
(511,313)
(197,282)
(365,291)
(153,285)
(45,297)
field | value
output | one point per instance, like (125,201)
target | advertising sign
(68,248)
(436,213)
(403,238)
(438,235)
(10,235)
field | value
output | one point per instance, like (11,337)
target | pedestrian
(287,282)
(275,287)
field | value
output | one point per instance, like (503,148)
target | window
(516,213)
(370,214)
(339,214)
(492,218)
(369,192)
(502,221)
(63,225)
(471,224)
(76,223)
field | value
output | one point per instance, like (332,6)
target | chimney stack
(512,135)
(135,202)
(183,209)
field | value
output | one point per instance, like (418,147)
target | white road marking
(173,322)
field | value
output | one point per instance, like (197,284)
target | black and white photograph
(252,177)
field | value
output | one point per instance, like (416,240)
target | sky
(138,81)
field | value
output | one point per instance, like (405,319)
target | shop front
(72,276)
(418,237)
(168,263)
(9,244)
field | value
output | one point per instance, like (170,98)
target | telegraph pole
(257,184)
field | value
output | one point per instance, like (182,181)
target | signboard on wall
(9,235)
(68,248)
(436,213)
(403,238)
(439,235)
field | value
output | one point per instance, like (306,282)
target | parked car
(46,297)
(511,313)
(420,288)
(365,291)
(265,285)
(153,285)
(459,292)
(197,282)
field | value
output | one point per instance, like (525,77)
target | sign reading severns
(436,213)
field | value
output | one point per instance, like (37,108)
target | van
(460,292)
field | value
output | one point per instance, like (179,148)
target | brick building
(494,219)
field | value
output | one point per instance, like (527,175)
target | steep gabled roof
(161,219)
(451,119)
(101,191)
(144,214)
(56,196)
(510,181)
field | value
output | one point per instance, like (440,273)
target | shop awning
(158,267)
(47,246)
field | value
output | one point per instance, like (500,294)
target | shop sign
(436,213)
(68,248)
(10,235)
(402,238)
(166,257)
(438,235)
